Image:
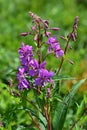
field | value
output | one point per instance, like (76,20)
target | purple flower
(25,55)
(35,67)
(47,33)
(52,40)
(22,82)
(59,53)
(44,77)
(54,45)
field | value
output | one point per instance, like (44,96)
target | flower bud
(36,37)
(55,29)
(24,34)
(47,34)
(46,23)
(33,28)
(70,61)
(75,23)
(62,37)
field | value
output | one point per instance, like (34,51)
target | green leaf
(43,119)
(20,127)
(80,110)
(83,120)
(37,99)
(56,89)
(61,109)
(24,95)
(35,114)
(60,77)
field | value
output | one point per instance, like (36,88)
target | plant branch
(72,36)
(36,124)
(65,51)
(74,124)
(19,95)
(47,115)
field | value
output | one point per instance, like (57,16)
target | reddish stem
(36,124)
(38,45)
(67,44)
(47,115)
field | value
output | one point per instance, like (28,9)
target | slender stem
(49,120)
(47,55)
(38,44)
(60,66)
(19,95)
(37,125)
(65,50)
(32,104)
(74,124)
(47,115)
(69,37)
(67,43)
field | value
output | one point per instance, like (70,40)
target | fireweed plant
(47,110)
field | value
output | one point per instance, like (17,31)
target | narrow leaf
(60,77)
(61,109)
(33,113)
(80,110)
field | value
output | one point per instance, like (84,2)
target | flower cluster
(43,77)
(33,72)
(23,83)
(54,45)
(31,68)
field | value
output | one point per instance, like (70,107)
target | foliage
(13,113)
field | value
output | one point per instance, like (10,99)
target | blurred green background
(14,19)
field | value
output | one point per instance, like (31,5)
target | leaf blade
(61,110)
